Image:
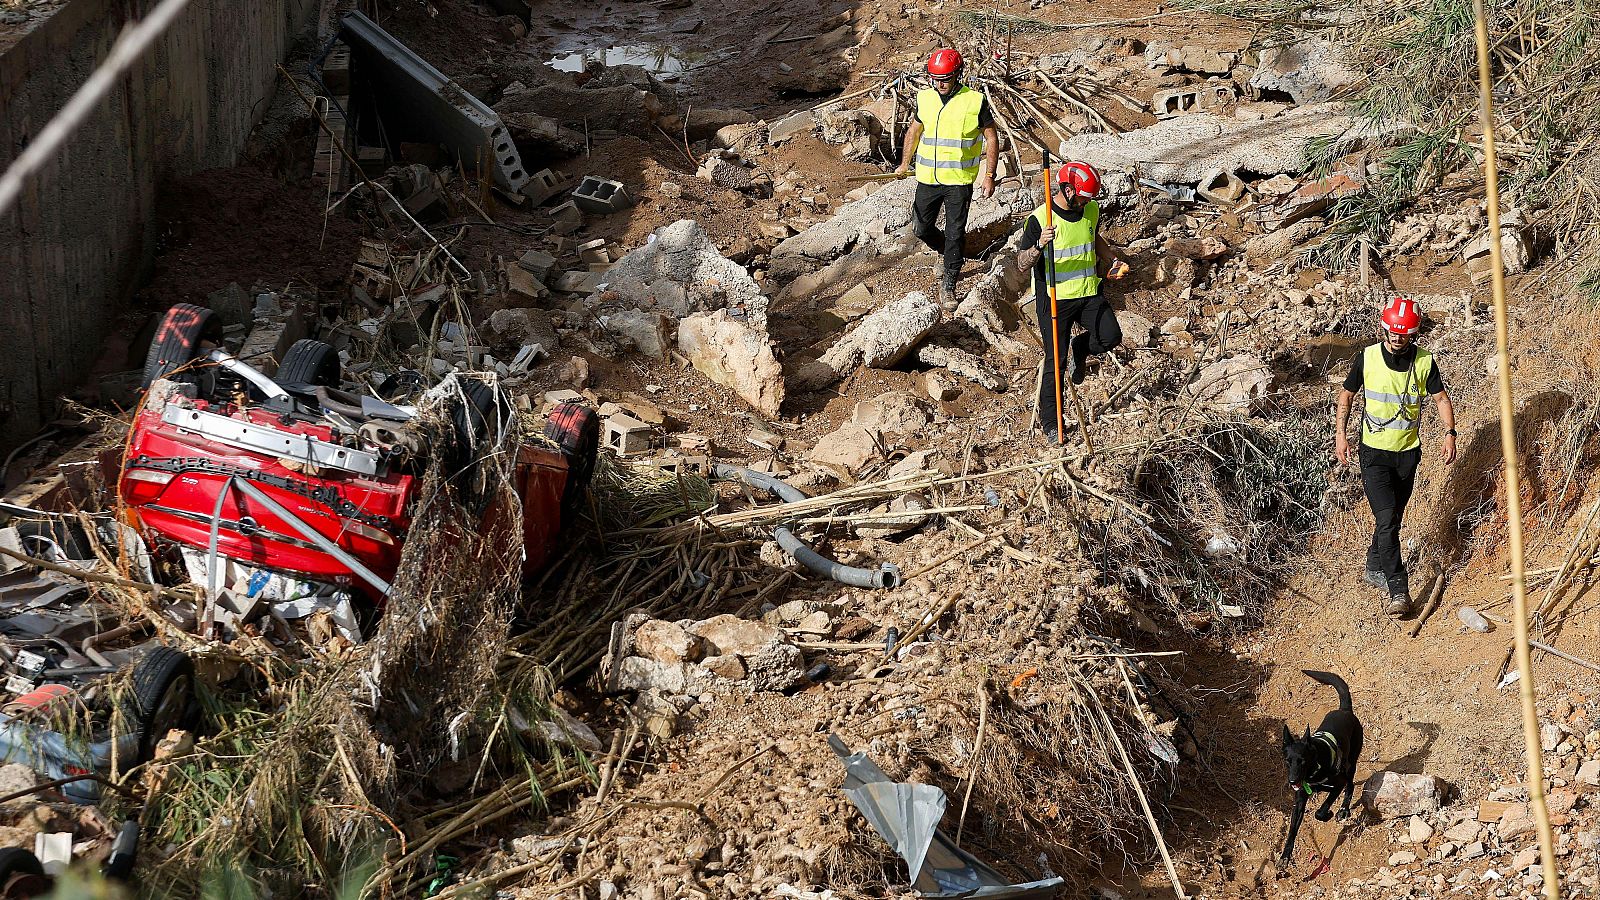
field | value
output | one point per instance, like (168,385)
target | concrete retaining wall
(82,237)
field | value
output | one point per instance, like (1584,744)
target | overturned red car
(304,476)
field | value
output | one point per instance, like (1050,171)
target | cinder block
(566,218)
(566,395)
(1223,188)
(1175,102)
(578,282)
(626,436)
(596,251)
(601,195)
(542,185)
(538,263)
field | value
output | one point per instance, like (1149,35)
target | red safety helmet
(1080,177)
(1400,316)
(944,63)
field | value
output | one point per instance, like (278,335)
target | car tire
(15,861)
(480,418)
(180,340)
(575,429)
(309,363)
(163,697)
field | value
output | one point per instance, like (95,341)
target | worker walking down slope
(1075,263)
(943,145)
(1393,376)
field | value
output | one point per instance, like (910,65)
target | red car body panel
(367,516)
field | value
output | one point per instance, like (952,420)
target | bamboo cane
(1508,447)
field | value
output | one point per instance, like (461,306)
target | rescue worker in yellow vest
(944,146)
(1393,377)
(1073,253)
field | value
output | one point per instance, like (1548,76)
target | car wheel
(163,697)
(180,339)
(21,874)
(311,363)
(575,429)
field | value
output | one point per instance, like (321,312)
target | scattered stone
(725,665)
(1138,332)
(1206,248)
(233,305)
(777,667)
(645,331)
(575,372)
(939,388)
(1589,773)
(1233,384)
(1402,858)
(849,447)
(15,777)
(892,412)
(736,356)
(683,254)
(1390,795)
(1418,830)
(728,633)
(665,642)
(724,172)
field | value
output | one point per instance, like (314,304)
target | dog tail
(1335,682)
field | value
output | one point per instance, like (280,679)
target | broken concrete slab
(1188,149)
(233,305)
(418,98)
(875,225)
(682,253)
(725,172)
(879,341)
(959,362)
(1310,70)
(1234,384)
(790,126)
(735,355)
(519,327)
(729,634)
(1516,249)
(648,332)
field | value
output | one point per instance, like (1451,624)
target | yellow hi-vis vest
(1074,261)
(951,140)
(1394,400)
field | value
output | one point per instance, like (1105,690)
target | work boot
(1399,604)
(947,294)
(1376,579)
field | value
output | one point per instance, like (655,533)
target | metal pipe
(885,577)
(248,373)
(91,644)
(312,535)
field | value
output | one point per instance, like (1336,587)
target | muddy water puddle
(658,60)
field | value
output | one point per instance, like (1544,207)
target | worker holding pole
(1066,285)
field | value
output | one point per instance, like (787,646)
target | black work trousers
(1100,334)
(1388,477)
(955,198)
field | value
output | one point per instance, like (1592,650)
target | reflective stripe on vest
(1393,400)
(1074,259)
(950,146)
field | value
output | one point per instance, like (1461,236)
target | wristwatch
(1451,432)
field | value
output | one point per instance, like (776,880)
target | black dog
(1324,761)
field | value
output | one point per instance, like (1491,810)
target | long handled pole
(1055,324)
(1055,333)
(1508,450)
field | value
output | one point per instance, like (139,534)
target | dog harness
(1332,744)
